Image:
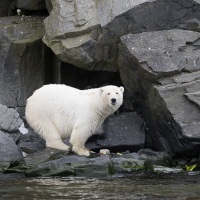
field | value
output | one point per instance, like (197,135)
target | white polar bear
(58,111)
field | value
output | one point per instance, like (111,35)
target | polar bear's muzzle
(113,101)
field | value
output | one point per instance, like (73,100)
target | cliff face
(149,46)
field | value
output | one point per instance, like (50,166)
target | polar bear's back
(50,97)
(54,103)
(54,91)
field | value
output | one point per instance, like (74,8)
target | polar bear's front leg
(78,139)
(82,151)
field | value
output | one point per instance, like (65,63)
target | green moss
(133,166)
(111,169)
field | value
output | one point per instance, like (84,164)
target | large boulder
(22,59)
(9,151)
(121,133)
(86,33)
(163,68)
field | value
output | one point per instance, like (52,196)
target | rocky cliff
(152,47)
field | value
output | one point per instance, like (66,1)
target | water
(135,186)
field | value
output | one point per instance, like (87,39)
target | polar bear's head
(112,96)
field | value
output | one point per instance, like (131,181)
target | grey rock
(149,154)
(31,142)
(9,119)
(86,33)
(145,159)
(95,167)
(163,68)
(165,51)
(160,158)
(22,58)
(14,136)
(73,165)
(12,176)
(30,4)
(192,25)
(43,155)
(194,97)
(123,164)
(133,155)
(51,162)
(9,151)
(49,5)
(55,167)
(162,169)
(58,163)
(181,117)
(121,133)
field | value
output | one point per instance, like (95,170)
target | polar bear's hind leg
(52,137)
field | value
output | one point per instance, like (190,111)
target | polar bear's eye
(108,93)
(116,92)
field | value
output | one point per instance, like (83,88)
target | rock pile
(149,46)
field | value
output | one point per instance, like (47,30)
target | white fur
(58,111)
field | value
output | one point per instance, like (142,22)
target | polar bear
(58,111)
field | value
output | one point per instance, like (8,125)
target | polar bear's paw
(81,151)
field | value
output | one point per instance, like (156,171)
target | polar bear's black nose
(113,100)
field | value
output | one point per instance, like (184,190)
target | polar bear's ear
(121,89)
(101,90)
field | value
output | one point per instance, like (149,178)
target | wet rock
(9,119)
(30,4)
(161,169)
(58,163)
(127,164)
(165,72)
(95,167)
(22,59)
(43,155)
(51,168)
(145,159)
(121,133)
(9,151)
(62,164)
(51,162)
(86,33)
(12,176)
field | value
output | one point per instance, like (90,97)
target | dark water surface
(135,186)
